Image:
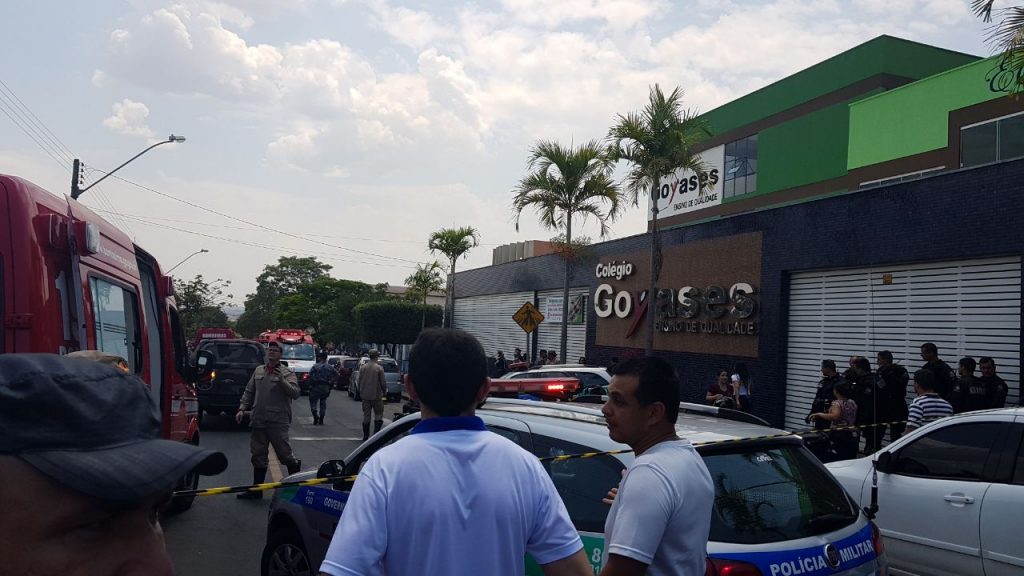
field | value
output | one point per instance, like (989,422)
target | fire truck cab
(298,349)
(70,280)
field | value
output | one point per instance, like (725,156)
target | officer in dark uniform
(822,402)
(268,397)
(891,382)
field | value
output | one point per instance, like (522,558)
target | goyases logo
(710,310)
(700,184)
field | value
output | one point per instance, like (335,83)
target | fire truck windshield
(297,351)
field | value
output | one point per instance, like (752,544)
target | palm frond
(983,9)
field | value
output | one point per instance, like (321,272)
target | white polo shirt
(451,498)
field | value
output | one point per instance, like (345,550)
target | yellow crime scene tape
(350,479)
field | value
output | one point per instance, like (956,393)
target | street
(223,536)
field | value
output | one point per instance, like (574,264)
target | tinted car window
(589,380)
(774,494)
(350,364)
(951,452)
(1018,470)
(581,482)
(234,353)
(390,366)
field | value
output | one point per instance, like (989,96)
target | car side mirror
(884,462)
(204,362)
(331,469)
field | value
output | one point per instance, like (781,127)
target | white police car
(777,512)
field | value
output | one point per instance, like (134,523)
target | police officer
(372,387)
(891,382)
(268,396)
(822,402)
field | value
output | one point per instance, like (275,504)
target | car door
(930,501)
(1002,510)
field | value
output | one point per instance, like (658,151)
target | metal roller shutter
(549,334)
(967,308)
(489,318)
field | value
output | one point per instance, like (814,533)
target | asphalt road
(223,536)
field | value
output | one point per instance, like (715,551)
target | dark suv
(221,388)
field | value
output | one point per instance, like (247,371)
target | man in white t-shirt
(661,514)
(453,498)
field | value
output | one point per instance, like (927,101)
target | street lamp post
(200,251)
(76,191)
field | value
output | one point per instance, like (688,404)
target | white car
(590,377)
(950,495)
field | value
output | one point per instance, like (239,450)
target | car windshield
(234,353)
(773,494)
(297,352)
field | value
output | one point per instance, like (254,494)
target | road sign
(528,317)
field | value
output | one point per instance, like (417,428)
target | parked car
(392,375)
(950,495)
(777,509)
(594,380)
(220,389)
(344,365)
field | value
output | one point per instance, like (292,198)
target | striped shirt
(926,408)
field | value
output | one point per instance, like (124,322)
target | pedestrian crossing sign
(528,317)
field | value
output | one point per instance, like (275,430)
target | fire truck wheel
(181,503)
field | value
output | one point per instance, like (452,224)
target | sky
(350,130)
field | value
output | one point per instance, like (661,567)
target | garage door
(489,318)
(967,308)
(549,333)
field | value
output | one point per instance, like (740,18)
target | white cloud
(615,13)
(129,118)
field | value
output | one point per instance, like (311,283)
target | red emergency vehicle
(70,280)
(298,349)
(212,334)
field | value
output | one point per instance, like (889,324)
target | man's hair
(844,388)
(925,379)
(830,364)
(657,382)
(987,360)
(885,354)
(321,355)
(969,363)
(930,347)
(861,363)
(448,368)
(374,354)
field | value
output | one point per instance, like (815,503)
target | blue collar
(446,423)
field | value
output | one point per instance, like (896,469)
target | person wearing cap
(321,379)
(82,493)
(452,497)
(268,398)
(372,386)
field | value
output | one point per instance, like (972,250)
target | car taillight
(876,540)
(556,387)
(725,567)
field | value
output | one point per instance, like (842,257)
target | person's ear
(411,389)
(481,395)
(656,412)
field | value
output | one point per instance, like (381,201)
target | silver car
(392,375)
(777,512)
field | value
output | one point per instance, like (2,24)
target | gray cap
(92,428)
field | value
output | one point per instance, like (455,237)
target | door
(930,503)
(1001,514)
(489,319)
(967,308)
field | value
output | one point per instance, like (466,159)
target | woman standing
(721,393)
(744,385)
(842,414)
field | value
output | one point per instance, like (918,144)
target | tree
(564,182)
(327,305)
(200,303)
(394,321)
(453,243)
(1007,37)
(424,281)
(657,142)
(276,282)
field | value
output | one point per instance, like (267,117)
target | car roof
(561,368)
(587,423)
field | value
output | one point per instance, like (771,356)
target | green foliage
(200,302)
(453,243)
(1006,36)
(394,321)
(326,305)
(424,281)
(275,283)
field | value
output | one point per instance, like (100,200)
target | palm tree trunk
(565,288)
(451,296)
(651,290)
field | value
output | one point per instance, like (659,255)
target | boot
(259,476)
(294,467)
(366,431)
(316,419)
(376,425)
(321,419)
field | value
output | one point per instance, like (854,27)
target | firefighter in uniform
(268,397)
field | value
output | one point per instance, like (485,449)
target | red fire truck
(298,350)
(70,281)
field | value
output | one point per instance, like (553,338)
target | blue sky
(364,126)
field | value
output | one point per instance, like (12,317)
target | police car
(777,511)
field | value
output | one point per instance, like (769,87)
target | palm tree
(565,181)
(453,243)
(1007,36)
(422,282)
(657,142)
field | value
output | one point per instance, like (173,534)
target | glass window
(741,167)
(1011,137)
(234,353)
(589,380)
(116,321)
(774,494)
(181,359)
(1018,470)
(978,145)
(297,352)
(957,452)
(510,434)
(581,482)
(389,366)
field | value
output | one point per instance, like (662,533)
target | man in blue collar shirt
(453,498)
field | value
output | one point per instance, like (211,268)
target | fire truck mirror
(204,361)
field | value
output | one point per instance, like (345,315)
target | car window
(512,435)
(774,494)
(334,361)
(1018,469)
(350,364)
(589,379)
(957,452)
(390,367)
(233,353)
(581,482)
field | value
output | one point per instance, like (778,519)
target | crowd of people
(862,403)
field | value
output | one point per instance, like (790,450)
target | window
(774,494)
(589,380)
(956,452)
(510,434)
(181,360)
(993,141)
(741,167)
(234,353)
(581,482)
(116,322)
(297,351)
